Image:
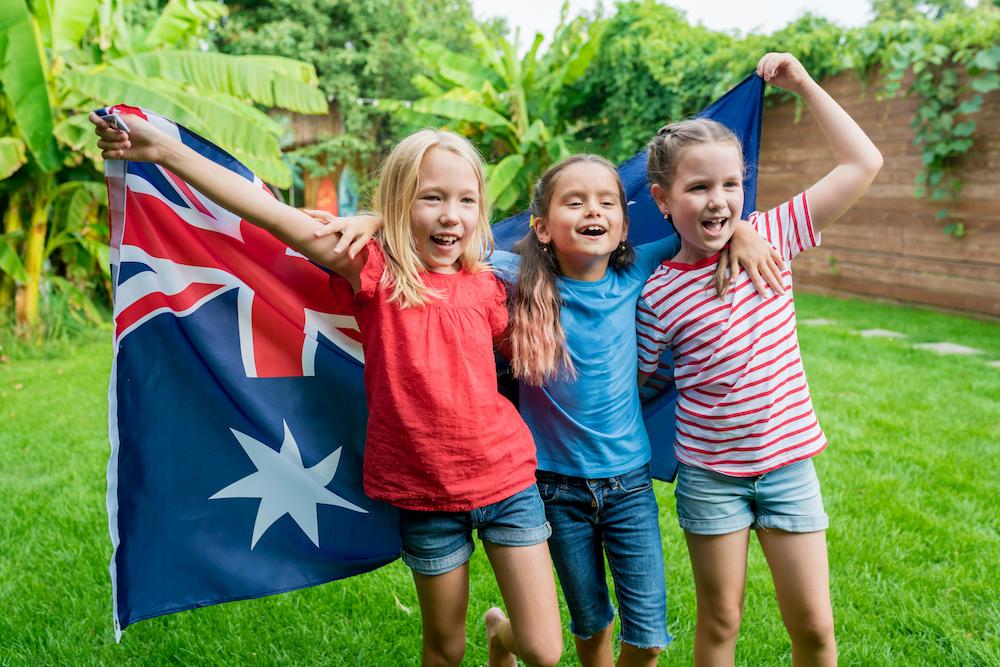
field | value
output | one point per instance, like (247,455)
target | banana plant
(514,107)
(61,58)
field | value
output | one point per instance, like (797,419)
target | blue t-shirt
(592,426)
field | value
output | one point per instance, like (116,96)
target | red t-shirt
(440,436)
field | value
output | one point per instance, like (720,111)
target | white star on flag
(285,486)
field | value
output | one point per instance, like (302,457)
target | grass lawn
(910,481)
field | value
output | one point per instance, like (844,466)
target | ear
(542,230)
(660,197)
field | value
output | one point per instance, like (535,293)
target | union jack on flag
(237,407)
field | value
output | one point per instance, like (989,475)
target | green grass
(910,481)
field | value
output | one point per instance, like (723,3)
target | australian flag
(741,110)
(237,406)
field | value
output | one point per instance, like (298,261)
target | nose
(449,215)
(716,199)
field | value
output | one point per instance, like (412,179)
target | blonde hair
(665,152)
(538,342)
(399,180)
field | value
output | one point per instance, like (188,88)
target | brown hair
(538,342)
(665,151)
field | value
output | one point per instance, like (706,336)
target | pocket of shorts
(549,491)
(635,481)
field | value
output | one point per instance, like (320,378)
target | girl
(442,444)
(745,425)
(573,342)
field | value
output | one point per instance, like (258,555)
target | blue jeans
(438,542)
(617,516)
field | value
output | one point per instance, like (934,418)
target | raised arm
(858,160)
(145,143)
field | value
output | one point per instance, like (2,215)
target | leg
(534,631)
(444,600)
(801,575)
(634,547)
(596,651)
(719,563)
(577,552)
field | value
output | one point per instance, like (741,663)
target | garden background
(304,91)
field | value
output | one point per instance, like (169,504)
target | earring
(621,247)
(546,248)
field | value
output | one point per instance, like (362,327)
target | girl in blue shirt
(576,283)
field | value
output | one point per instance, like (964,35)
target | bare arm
(858,159)
(145,143)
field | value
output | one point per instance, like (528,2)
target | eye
(431,197)
(574,203)
(732,184)
(469,200)
(697,187)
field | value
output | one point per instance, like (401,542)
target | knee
(813,630)
(444,651)
(722,622)
(542,653)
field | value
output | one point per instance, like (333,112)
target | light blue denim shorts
(439,542)
(789,499)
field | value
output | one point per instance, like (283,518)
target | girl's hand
(142,143)
(355,231)
(758,257)
(784,71)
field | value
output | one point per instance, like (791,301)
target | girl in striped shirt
(746,430)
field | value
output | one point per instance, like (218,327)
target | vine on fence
(951,73)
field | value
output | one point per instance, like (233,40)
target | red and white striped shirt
(743,406)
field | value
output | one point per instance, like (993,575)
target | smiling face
(705,199)
(584,220)
(445,209)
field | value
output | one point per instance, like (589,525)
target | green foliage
(654,67)
(515,107)
(361,49)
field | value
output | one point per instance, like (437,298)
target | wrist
(168,153)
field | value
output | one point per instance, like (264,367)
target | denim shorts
(616,516)
(710,503)
(438,542)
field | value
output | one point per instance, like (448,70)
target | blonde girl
(746,430)
(442,445)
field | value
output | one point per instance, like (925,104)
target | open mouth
(444,240)
(714,225)
(593,230)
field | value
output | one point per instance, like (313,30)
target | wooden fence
(891,245)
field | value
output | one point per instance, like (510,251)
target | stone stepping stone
(881,333)
(818,322)
(948,348)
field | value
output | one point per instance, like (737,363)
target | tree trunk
(28,319)
(11,223)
